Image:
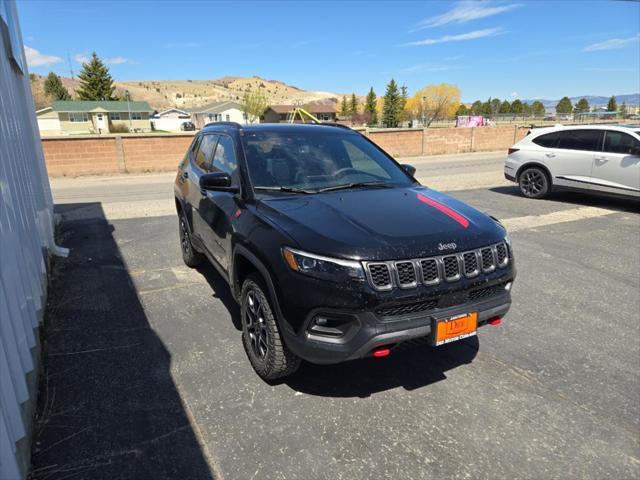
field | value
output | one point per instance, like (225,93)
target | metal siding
(26,234)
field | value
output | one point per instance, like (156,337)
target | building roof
(312,108)
(99,106)
(215,107)
(169,110)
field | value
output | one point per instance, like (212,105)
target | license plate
(451,329)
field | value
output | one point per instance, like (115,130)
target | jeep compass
(332,249)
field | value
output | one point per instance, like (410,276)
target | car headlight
(324,268)
(507,240)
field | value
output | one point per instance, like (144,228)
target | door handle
(550,155)
(602,159)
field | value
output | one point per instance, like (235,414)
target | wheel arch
(542,167)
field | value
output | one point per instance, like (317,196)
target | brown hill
(162,94)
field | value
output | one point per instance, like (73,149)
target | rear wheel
(534,183)
(269,356)
(190,256)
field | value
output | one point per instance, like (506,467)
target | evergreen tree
(370,107)
(505,107)
(516,106)
(564,106)
(612,106)
(476,107)
(486,107)
(623,108)
(538,108)
(344,107)
(54,88)
(95,81)
(392,105)
(353,105)
(526,109)
(463,110)
(495,106)
(581,106)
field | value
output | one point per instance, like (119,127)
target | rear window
(590,140)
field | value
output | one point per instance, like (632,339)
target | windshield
(314,160)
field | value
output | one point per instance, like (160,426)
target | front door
(572,156)
(616,169)
(101,124)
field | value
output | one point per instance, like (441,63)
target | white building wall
(26,235)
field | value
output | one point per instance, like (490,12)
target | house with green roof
(94,117)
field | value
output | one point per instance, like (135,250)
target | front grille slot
(430,275)
(380,275)
(488,263)
(407,308)
(470,260)
(406,274)
(487,292)
(451,268)
(502,254)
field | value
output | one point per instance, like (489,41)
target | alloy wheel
(256,325)
(532,182)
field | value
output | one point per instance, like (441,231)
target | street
(144,358)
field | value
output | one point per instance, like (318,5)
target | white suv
(596,158)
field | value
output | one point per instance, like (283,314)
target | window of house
(78,117)
(228,118)
(136,116)
(205,151)
(619,142)
(114,116)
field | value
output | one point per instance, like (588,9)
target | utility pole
(126,94)
(70,64)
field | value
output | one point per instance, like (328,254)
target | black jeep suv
(333,250)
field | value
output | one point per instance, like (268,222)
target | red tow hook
(381,352)
(495,321)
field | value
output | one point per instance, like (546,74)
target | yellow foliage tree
(433,102)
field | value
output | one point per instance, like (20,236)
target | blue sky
(524,49)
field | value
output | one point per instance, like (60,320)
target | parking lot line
(562,216)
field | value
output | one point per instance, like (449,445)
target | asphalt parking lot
(146,376)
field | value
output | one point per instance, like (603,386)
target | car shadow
(221,291)
(578,198)
(108,406)
(412,365)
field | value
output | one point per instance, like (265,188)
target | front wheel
(534,183)
(269,356)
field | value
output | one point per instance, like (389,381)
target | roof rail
(228,124)
(334,124)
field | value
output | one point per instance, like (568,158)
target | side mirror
(220,181)
(410,169)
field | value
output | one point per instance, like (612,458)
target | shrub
(119,128)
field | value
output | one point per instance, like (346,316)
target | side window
(590,140)
(548,141)
(619,142)
(224,159)
(205,150)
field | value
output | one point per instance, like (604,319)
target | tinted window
(580,140)
(619,142)
(205,151)
(224,159)
(548,141)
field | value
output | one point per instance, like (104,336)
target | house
(279,113)
(170,120)
(217,112)
(94,116)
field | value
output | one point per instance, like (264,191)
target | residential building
(27,241)
(94,116)
(325,112)
(217,112)
(170,120)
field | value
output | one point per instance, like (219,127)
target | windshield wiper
(356,185)
(283,189)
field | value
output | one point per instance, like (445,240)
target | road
(151,380)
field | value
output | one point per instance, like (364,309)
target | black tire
(190,256)
(267,352)
(534,183)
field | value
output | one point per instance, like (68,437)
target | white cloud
(464,12)
(81,57)
(37,59)
(118,61)
(428,67)
(487,32)
(514,95)
(611,44)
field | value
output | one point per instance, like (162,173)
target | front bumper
(371,331)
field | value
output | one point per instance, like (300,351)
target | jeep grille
(433,270)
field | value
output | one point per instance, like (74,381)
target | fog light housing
(330,325)
(507,287)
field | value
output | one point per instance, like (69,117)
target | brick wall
(96,155)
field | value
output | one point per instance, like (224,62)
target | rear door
(616,169)
(572,155)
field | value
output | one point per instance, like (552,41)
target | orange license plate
(455,328)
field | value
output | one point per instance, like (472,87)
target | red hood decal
(444,209)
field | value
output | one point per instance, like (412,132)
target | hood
(381,224)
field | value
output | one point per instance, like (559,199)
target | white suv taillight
(513,150)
